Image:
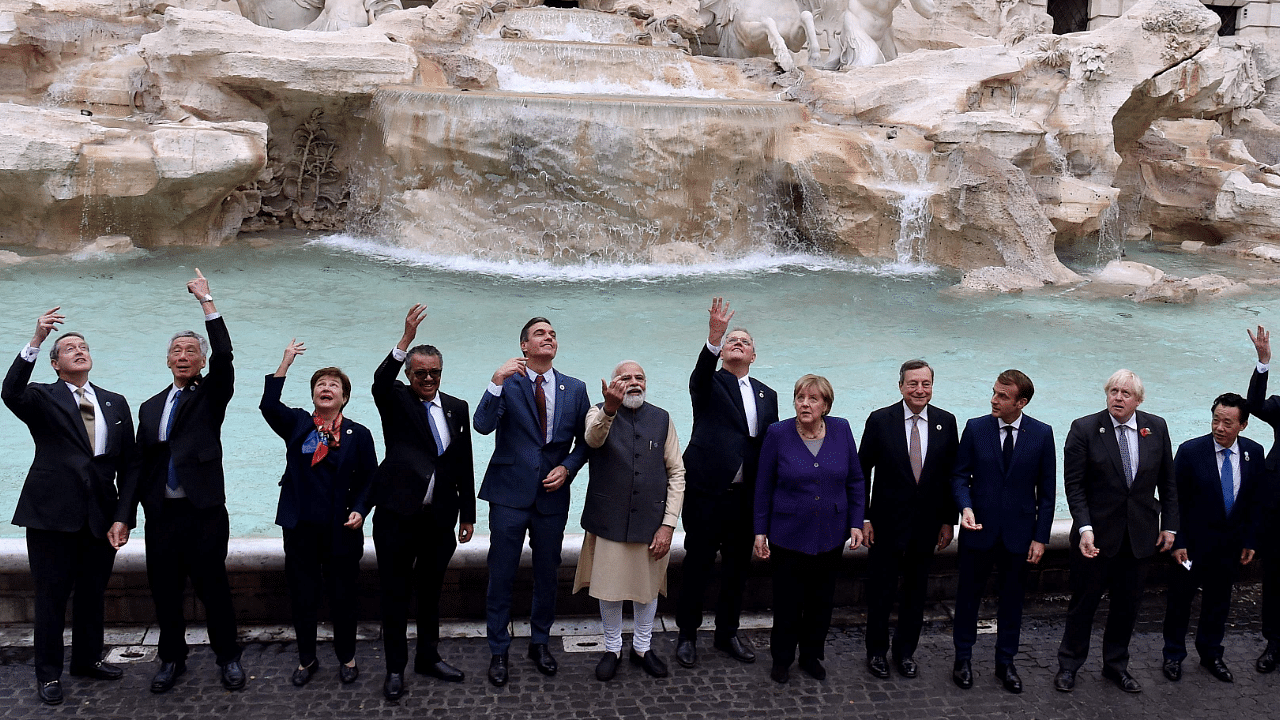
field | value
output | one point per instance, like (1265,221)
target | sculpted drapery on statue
(319,15)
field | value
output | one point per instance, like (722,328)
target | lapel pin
(1246,457)
(1102,431)
(561,387)
(108,403)
(937,427)
(1144,432)
(761,394)
(448,413)
(348,431)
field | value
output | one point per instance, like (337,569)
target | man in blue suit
(1005,478)
(1219,476)
(540,415)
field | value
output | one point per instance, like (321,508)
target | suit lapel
(1212,473)
(896,428)
(561,400)
(525,385)
(735,395)
(66,402)
(1107,430)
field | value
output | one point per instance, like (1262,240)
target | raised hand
(613,392)
(47,323)
(416,315)
(198,286)
(1262,343)
(291,352)
(509,368)
(719,323)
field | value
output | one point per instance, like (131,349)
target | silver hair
(1123,377)
(617,369)
(633,402)
(204,344)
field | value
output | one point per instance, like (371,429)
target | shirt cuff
(1263,367)
(212,316)
(715,349)
(398,355)
(1086,528)
(495,390)
(29,353)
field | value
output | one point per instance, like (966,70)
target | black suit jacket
(401,481)
(195,443)
(1093,478)
(901,510)
(68,487)
(1267,409)
(1207,530)
(720,442)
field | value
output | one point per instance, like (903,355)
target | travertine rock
(1125,272)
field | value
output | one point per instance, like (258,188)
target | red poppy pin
(1144,432)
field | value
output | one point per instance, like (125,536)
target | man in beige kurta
(634,496)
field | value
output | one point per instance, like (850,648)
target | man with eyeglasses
(424,484)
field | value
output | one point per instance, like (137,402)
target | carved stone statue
(321,15)
(863,30)
(762,28)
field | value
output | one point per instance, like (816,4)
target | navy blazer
(355,458)
(521,460)
(902,511)
(1207,530)
(68,487)
(1013,506)
(805,503)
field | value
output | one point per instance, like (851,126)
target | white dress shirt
(1017,430)
(435,415)
(924,429)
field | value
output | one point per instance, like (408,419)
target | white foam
(512,81)
(757,262)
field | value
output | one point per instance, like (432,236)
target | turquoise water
(852,321)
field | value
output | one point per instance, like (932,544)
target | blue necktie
(1228,481)
(168,436)
(435,431)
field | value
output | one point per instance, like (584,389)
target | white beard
(633,402)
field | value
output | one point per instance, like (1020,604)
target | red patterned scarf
(330,436)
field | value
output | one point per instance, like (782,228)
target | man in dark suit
(731,412)
(540,416)
(69,502)
(1267,409)
(423,485)
(1113,464)
(1004,484)
(182,491)
(1218,478)
(910,449)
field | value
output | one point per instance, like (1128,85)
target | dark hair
(913,365)
(524,331)
(427,350)
(1019,380)
(53,351)
(337,373)
(1232,400)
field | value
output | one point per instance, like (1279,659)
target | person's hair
(741,330)
(618,368)
(913,365)
(819,383)
(204,344)
(1123,377)
(1018,379)
(335,373)
(524,331)
(427,350)
(1232,400)
(53,351)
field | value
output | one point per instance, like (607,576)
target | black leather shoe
(780,674)
(1267,661)
(1218,669)
(50,693)
(498,670)
(302,675)
(1172,670)
(167,675)
(737,648)
(962,674)
(608,666)
(1122,679)
(907,667)
(440,670)
(98,671)
(1065,680)
(650,663)
(813,668)
(542,659)
(878,666)
(233,676)
(393,686)
(348,673)
(1007,674)
(686,652)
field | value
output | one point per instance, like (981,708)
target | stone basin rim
(659,100)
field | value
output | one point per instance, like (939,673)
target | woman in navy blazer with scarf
(809,499)
(324,498)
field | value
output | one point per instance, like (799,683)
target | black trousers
(1269,553)
(68,565)
(184,541)
(1214,576)
(885,564)
(1011,575)
(413,554)
(1122,577)
(724,528)
(803,589)
(322,560)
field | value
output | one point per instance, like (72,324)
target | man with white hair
(181,489)
(634,496)
(1114,463)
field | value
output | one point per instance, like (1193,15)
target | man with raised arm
(71,500)
(1267,409)
(540,416)
(731,411)
(181,488)
(423,486)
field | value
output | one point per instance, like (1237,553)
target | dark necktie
(1008,446)
(1126,461)
(168,436)
(541,397)
(917,461)
(1228,481)
(87,416)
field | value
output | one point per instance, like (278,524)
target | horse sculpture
(760,28)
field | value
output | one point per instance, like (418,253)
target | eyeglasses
(434,374)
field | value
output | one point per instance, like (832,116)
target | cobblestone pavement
(718,688)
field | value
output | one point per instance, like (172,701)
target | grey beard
(633,401)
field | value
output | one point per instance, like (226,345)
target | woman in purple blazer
(809,499)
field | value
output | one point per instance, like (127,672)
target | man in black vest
(633,501)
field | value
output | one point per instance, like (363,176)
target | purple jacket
(804,503)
